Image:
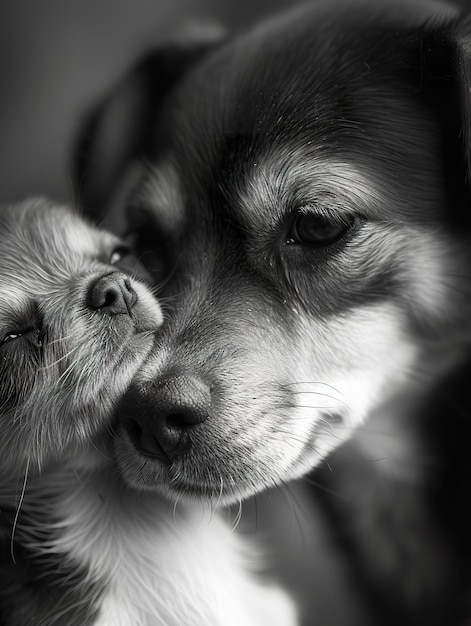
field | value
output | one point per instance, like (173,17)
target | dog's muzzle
(159,417)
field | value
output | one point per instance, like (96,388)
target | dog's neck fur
(96,552)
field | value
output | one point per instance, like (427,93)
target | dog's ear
(118,130)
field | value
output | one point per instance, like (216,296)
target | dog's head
(306,186)
(75,324)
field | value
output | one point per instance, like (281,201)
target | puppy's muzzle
(159,418)
(112,294)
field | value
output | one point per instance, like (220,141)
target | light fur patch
(162,565)
(360,359)
(288,179)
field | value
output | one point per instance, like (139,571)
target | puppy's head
(75,324)
(306,184)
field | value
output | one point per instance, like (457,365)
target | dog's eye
(125,261)
(118,254)
(311,229)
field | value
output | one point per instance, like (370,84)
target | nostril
(180,421)
(145,440)
(162,419)
(110,298)
(112,294)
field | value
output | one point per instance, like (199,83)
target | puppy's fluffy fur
(78,546)
(306,185)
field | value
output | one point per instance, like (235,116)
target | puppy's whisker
(60,359)
(69,369)
(61,339)
(238,517)
(17,513)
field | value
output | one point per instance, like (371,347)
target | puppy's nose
(112,294)
(160,418)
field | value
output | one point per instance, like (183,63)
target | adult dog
(301,193)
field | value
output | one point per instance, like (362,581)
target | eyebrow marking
(291,180)
(14,305)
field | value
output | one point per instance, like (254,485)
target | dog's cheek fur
(279,401)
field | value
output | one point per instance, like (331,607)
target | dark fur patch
(42,589)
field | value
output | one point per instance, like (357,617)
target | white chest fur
(157,567)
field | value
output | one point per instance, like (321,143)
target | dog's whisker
(314,407)
(110,429)
(295,505)
(77,474)
(101,452)
(175,507)
(313,382)
(221,491)
(337,494)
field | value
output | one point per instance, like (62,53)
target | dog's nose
(112,294)
(159,418)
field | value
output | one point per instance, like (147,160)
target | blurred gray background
(58,56)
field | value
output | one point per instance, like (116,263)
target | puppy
(77,545)
(305,186)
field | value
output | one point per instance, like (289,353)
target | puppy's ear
(118,130)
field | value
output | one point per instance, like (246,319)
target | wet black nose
(112,294)
(160,417)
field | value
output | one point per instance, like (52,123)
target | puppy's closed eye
(25,324)
(33,335)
